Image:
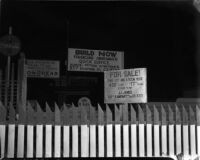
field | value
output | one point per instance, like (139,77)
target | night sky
(157,35)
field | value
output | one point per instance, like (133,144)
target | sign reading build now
(43,69)
(94,60)
(125,86)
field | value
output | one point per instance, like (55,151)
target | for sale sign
(88,60)
(43,69)
(125,86)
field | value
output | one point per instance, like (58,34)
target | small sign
(9,45)
(88,60)
(43,69)
(125,86)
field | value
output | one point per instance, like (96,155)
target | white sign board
(125,86)
(94,60)
(43,69)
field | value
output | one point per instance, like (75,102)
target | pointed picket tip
(30,114)
(108,114)
(198,115)
(163,115)
(93,115)
(57,114)
(148,114)
(191,115)
(184,115)
(11,114)
(141,114)
(171,114)
(125,114)
(156,115)
(2,113)
(48,114)
(117,114)
(65,114)
(133,115)
(177,114)
(40,114)
(83,115)
(100,115)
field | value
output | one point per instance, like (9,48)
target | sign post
(9,46)
(125,86)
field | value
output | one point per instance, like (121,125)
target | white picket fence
(143,137)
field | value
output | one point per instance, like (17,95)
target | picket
(163,131)
(185,131)
(171,130)
(156,132)
(198,128)
(100,132)
(192,131)
(93,144)
(178,131)
(149,131)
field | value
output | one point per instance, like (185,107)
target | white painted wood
(11,141)
(39,141)
(75,141)
(29,141)
(93,145)
(66,141)
(109,140)
(48,141)
(193,140)
(117,140)
(171,140)
(149,140)
(141,141)
(178,139)
(20,141)
(101,140)
(164,139)
(156,140)
(84,141)
(133,140)
(198,140)
(185,140)
(126,141)
(57,141)
(2,137)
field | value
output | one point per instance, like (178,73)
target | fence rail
(126,130)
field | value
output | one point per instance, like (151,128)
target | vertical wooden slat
(192,131)
(84,133)
(178,131)
(57,131)
(117,132)
(109,132)
(198,128)
(65,120)
(66,141)
(141,132)
(11,141)
(20,141)
(134,148)
(2,139)
(30,120)
(2,128)
(185,132)
(163,131)
(39,141)
(29,141)
(156,132)
(149,131)
(171,131)
(100,132)
(11,132)
(125,131)
(75,137)
(39,131)
(93,122)
(48,141)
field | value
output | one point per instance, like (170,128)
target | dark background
(157,35)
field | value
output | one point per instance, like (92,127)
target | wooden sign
(88,60)
(125,86)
